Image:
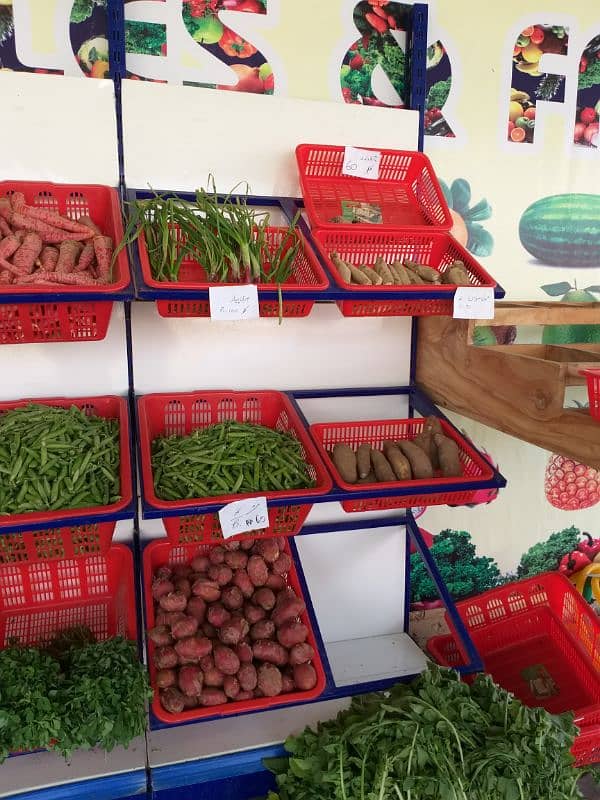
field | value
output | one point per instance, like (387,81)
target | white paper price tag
(361,163)
(242,516)
(474,302)
(234,302)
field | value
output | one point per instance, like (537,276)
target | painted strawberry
(569,485)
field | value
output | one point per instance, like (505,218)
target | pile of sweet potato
(227,627)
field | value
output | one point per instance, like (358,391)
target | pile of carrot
(40,247)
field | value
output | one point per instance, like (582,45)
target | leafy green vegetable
(546,555)
(83,9)
(591,76)
(359,81)
(464,572)
(392,63)
(438,93)
(146,38)
(434,739)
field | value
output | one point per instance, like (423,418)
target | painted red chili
(590,547)
(573,562)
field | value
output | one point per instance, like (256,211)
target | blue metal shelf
(418,401)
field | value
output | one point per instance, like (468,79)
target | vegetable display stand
(593,382)
(406,192)
(180,414)
(539,639)
(42,312)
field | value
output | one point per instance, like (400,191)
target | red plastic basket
(307,274)
(375,433)
(56,543)
(407,191)
(159,553)
(110,407)
(593,382)
(40,599)
(55,320)
(179,414)
(431,248)
(537,629)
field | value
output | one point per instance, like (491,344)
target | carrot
(5,208)
(103,247)
(5,277)
(53,218)
(49,233)
(25,257)
(85,259)
(72,279)
(5,265)
(5,228)
(49,258)
(68,255)
(8,246)
(89,223)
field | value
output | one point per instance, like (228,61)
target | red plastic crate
(56,543)
(407,190)
(43,598)
(110,407)
(593,382)
(57,321)
(307,274)
(537,627)
(375,433)
(431,248)
(206,528)
(169,414)
(159,553)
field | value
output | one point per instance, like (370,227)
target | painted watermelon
(563,230)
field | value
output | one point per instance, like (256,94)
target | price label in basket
(474,302)
(243,516)
(234,302)
(361,163)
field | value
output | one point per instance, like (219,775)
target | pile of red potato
(40,247)
(227,627)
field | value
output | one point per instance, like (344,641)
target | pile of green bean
(53,458)
(227,458)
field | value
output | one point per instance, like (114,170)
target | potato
(171,700)
(254,613)
(163,573)
(400,273)
(196,607)
(165,678)
(268,549)
(257,570)
(247,544)
(206,589)
(233,631)
(244,653)
(305,677)
(344,459)
(191,650)
(181,571)
(231,686)
(289,607)
(160,635)
(449,456)
(187,626)
(287,681)
(243,582)
(190,701)
(231,545)
(266,650)
(190,680)
(212,697)
(200,563)
(382,468)
(275,582)
(343,269)
(291,633)
(264,629)
(216,555)
(161,586)
(363,460)
(301,654)
(168,617)
(283,564)
(226,660)
(217,615)
(398,461)
(428,274)
(174,601)
(242,695)
(264,597)
(358,276)
(236,559)
(209,630)
(183,585)
(165,657)
(425,441)
(232,598)
(382,269)
(220,573)
(420,463)
(213,677)
(270,681)
(247,677)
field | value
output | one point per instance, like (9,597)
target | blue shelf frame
(418,401)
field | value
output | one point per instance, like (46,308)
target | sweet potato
(217,615)
(231,686)
(268,549)
(275,582)
(272,652)
(232,598)
(220,573)
(264,629)
(226,660)
(425,440)
(247,677)
(398,461)
(216,555)
(212,697)
(196,607)
(343,269)
(165,678)
(160,635)
(374,277)
(382,468)
(301,654)
(244,653)
(420,463)
(264,597)
(289,607)
(269,680)
(160,587)
(448,455)
(384,272)
(191,650)
(206,589)
(183,585)
(292,633)
(428,274)
(233,631)
(171,700)
(174,601)
(359,276)
(257,570)
(187,626)
(165,657)
(283,564)
(363,460)
(236,559)
(243,582)
(190,680)
(305,677)
(344,459)
(200,563)
(456,275)
(400,273)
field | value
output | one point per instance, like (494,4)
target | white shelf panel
(374,658)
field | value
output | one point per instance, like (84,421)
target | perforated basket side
(56,543)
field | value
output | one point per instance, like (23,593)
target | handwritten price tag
(242,516)
(361,163)
(474,302)
(233,302)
